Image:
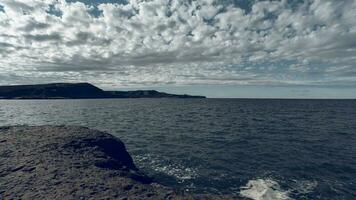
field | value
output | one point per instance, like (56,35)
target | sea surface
(260,149)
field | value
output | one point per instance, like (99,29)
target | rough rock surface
(61,162)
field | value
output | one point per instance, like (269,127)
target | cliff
(61,162)
(77,91)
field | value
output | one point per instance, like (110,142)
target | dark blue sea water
(262,149)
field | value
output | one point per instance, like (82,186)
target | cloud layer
(155,42)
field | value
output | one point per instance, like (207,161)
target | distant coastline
(78,91)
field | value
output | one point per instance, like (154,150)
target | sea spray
(261,189)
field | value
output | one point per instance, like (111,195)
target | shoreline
(71,162)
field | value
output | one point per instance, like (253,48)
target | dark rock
(61,162)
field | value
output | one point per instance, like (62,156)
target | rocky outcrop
(61,162)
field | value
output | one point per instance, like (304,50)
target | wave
(269,189)
(161,165)
(261,189)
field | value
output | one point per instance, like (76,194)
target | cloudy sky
(219,48)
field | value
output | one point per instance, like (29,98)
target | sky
(217,48)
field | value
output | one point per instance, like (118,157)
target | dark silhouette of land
(77,91)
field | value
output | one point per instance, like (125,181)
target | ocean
(259,149)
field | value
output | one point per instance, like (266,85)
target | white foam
(177,170)
(303,187)
(261,189)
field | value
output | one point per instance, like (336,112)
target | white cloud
(177,42)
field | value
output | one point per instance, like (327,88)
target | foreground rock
(63,162)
